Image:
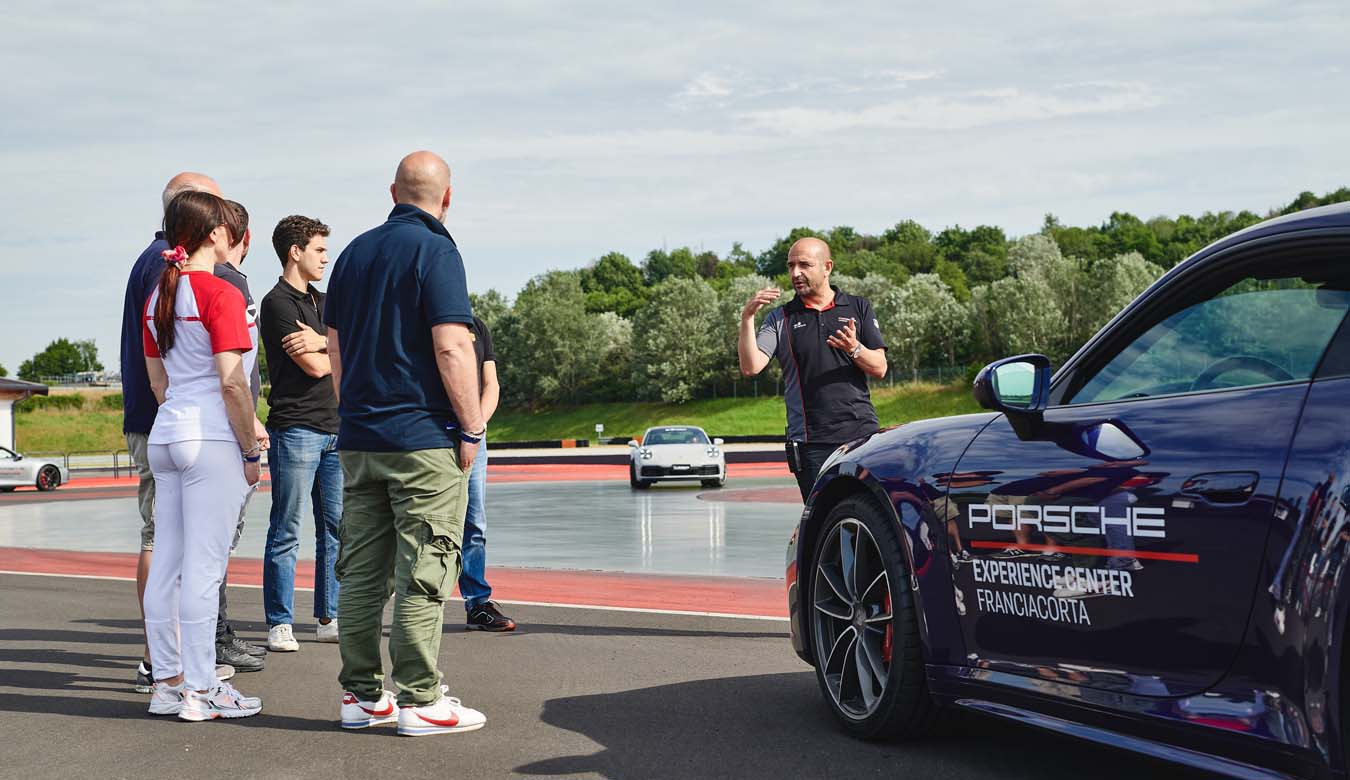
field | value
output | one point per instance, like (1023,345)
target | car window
(1254,331)
(676,436)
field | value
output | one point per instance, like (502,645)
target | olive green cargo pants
(402,524)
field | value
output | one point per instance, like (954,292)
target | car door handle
(1222,487)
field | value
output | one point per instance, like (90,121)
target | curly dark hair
(295,230)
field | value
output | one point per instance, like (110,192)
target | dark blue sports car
(1146,549)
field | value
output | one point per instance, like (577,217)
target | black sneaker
(226,653)
(247,648)
(144,682)
(486,617)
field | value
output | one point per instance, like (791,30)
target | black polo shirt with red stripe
(827,398)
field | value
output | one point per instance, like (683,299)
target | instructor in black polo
(827,343)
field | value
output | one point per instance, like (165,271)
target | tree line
(664,328)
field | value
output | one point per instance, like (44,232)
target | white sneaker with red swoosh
(357,714)
(446,716)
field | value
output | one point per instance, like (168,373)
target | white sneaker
(166,699)
(222,701)
(445,716)
(357,714)
(280,639)
(327,632)
(224,671)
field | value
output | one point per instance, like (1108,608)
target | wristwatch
(856,351)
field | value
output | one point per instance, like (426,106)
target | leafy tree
(551,348)
(981,253)
(730,303)
(614,348)
(705,265)
(674,349)
(489,307)
(3,371)
(920,320)
(61,358)
(613,283)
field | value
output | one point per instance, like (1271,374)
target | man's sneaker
(327,632)
(226,653)
(144,682)
(357,714)
(444,716)
(224,671)
(222,701)
(486,617)
(166,699)
(247,648)
(280,639)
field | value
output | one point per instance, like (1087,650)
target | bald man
(138,401)
(827,343)
(409,425)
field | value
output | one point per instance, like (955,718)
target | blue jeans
(473,550)
(306,475)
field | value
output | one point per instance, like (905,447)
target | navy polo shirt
(387,289)
(827,398)
(139,406)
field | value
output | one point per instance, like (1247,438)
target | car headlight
(645,454)
(713,452)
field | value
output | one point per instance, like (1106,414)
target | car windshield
(8,453)
(675,436)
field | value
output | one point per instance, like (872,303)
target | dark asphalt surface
(573,693)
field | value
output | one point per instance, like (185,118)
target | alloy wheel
(48,478)
(851,618)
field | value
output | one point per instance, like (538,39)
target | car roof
(1337,215)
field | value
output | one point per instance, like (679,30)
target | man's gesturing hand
(303,341)
(759,300)
(846,338)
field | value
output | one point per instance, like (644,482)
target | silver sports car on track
(18,471)
(676,452)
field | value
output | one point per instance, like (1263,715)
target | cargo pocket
(436,567)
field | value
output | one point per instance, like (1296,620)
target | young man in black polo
(303,421)
(827,343)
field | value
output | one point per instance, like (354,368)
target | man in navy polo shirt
(139,406)
(402,360)
(827,343)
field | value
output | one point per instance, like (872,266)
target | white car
(676,453)
(18,471)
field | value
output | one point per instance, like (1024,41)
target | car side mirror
(1017,386)
(632,443)
(718,442)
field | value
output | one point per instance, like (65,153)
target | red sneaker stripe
(388,710)
(453,720)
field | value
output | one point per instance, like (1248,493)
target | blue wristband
(252,458)
(469,438)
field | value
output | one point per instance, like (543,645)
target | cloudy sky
(579,128)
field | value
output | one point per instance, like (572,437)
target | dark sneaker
(247,648)
(486,617)
(144,682)
(241,661)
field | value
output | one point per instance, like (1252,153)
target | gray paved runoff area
(600,525)
(573,693)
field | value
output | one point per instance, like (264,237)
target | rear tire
(864,626)
(49,478)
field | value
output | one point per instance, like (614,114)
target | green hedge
(67,401)
(112,402)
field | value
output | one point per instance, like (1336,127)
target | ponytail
(165,316)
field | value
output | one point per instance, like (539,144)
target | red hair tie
(175,256)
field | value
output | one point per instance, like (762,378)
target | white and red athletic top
(211,318)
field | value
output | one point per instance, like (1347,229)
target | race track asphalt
(573,693)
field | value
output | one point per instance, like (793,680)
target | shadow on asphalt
(777,726)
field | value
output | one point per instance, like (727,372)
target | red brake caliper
(890,630)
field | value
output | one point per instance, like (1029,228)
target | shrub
(111,402)
(65,401)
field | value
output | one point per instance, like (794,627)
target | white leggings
(199,491)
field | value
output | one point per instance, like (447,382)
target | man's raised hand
(759,300)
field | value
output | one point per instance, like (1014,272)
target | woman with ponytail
(203,452)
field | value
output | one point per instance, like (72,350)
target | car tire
(845,607)
(634,482)
(48,478)
(7,489)
(714,483)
